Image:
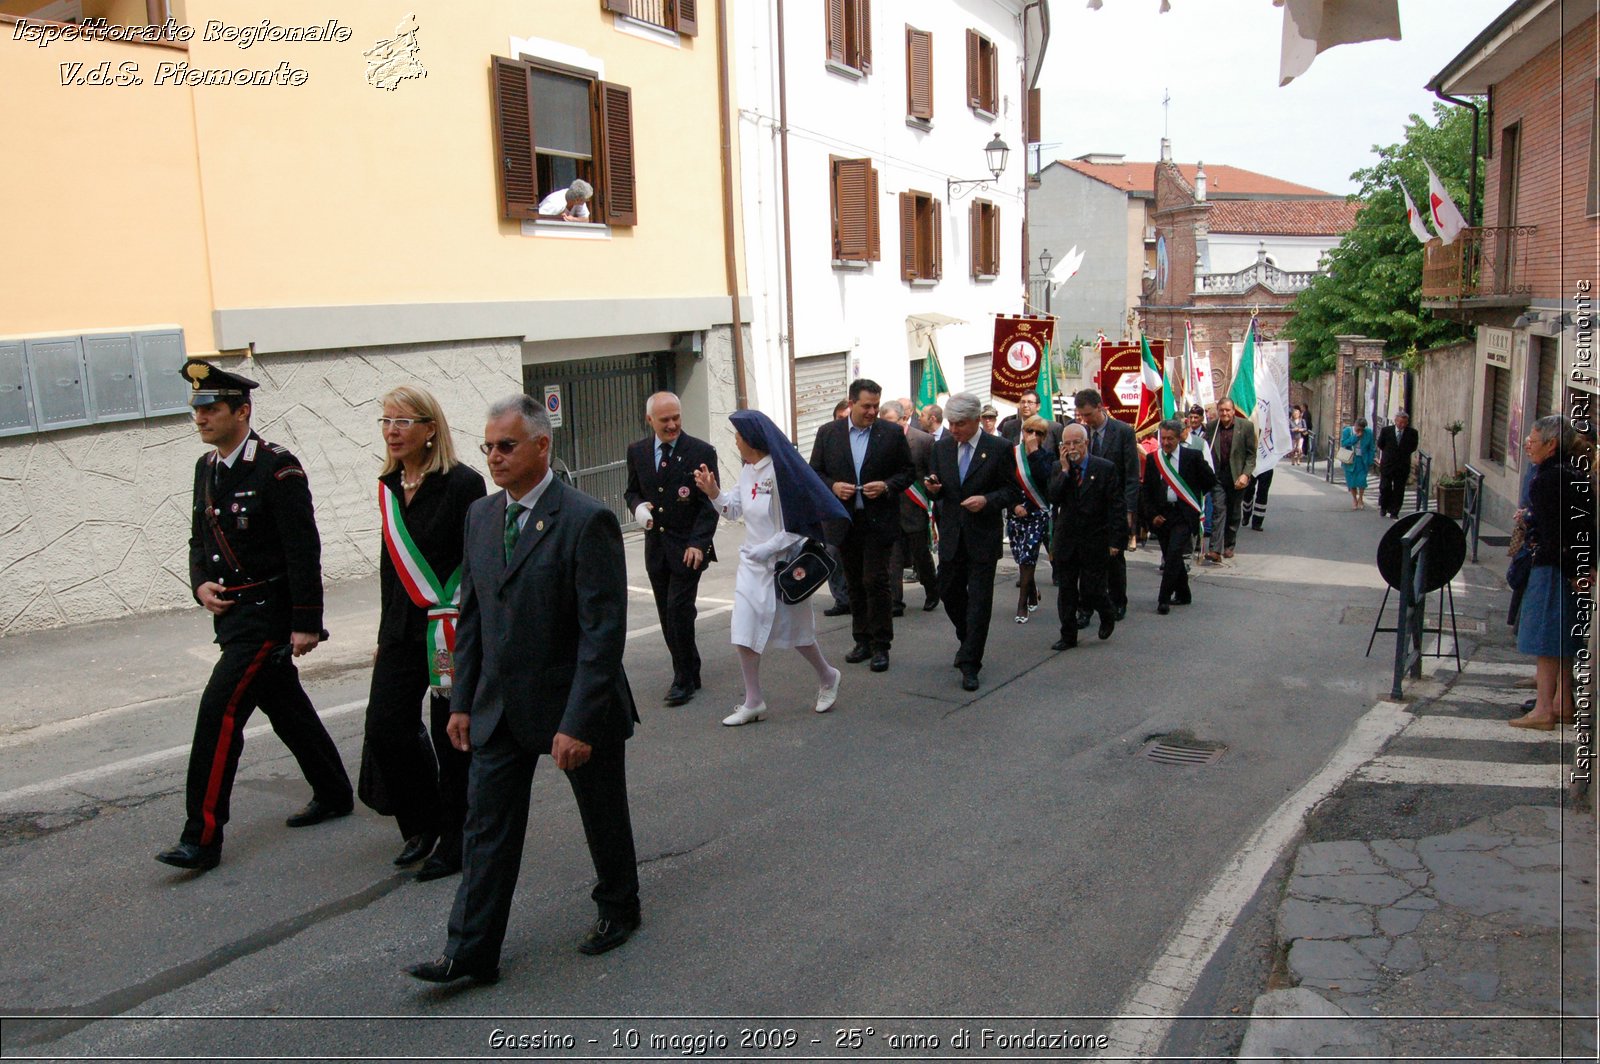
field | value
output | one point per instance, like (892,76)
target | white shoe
(828,694)
(744,715)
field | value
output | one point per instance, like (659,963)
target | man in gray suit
(538,660)
(914,548)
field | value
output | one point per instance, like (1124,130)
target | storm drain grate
(1183,750)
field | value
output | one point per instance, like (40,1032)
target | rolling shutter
(976,371)
(513,134)
(919,73)
(819,383)
(1499,419)
(615,104)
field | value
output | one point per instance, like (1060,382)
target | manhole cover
(1182,749)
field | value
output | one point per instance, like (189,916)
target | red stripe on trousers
(219,760)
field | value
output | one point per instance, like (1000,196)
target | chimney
(1166,150)
(1200,182)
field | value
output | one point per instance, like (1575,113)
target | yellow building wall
(103,220)
(338,192)
(155,202)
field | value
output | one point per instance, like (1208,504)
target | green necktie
(514,510)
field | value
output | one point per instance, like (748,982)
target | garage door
(819,383)
(976,372)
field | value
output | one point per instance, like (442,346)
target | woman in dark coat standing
(423,495)
(1561,524)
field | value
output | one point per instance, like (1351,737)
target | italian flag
(1024,474)
(1243,389)
(1150,384)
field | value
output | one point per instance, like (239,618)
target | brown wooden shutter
(937,239)
(874,249)
(991,94)
(851,185)
(908,236)
(864,35)
(513,137)
(974,88)
(689,17)
(835,32)
(919,73)
(994,240)
(975,236)
(621,7)
(617,190)
(1035,124)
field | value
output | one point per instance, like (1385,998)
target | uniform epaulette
(277,448)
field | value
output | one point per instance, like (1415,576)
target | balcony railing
(1280,282)
(661,13)
(1482,263)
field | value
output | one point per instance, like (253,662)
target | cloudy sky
(1106,72)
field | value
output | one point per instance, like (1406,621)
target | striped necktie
(513,528)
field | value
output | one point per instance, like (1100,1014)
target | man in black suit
(1114,441)
(836,581)
(544,610)
(1086,506)
(678,523)
(1176,480)
(1396,444)
(973,480)
(867,464)
(914,547)
(1028,406)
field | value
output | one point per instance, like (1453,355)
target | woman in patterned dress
(1028,523)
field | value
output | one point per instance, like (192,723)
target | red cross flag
(1446,218)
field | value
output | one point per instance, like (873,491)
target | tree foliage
(1373,285)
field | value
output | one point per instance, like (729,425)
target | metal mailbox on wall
(60,394)
(16,401)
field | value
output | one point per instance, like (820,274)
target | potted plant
(1451,491)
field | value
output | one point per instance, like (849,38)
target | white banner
(1207,385)
(1271,416)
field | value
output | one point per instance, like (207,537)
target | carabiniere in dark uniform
(254,533)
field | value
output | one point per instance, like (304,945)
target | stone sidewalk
(1475,939)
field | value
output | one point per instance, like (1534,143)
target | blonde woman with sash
(1028,523)
(423,495)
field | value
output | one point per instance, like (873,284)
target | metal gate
(602,401)
(976,373)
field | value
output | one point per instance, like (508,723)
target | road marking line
(1500,696)
(1174,975)
(1444,727)
(62,783)
(656,627)
(1396,769)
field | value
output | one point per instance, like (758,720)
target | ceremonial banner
(1021,344)
(1122,382)
(1269,377)
(1205,384)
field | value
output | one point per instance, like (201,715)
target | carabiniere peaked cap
(208,384)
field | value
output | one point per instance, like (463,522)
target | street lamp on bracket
(995,154)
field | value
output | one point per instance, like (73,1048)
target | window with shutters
(984,240)
(555,125)
(983,75)
(1496,413)
(854,196)
(678,16)
(921,234)
(919,77)
(849,34)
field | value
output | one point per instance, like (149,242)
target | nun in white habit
(783,503)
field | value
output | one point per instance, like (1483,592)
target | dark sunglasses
(1036,432)
(503,446)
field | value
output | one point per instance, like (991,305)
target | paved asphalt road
(919,861)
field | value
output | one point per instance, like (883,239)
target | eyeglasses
(402,422)
(503,446)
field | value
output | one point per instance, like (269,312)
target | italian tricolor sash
(1024,474)
(919,495)
(441,600)
(1168,465)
